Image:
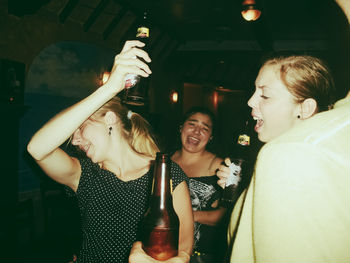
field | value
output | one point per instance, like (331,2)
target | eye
(264,97)
(190,124)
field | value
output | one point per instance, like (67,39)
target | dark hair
(203,110)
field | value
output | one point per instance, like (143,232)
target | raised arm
(44,145)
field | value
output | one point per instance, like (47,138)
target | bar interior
(204,53)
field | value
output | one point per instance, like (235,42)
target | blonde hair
(135,129)
(306,77)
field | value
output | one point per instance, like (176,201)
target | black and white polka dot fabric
(111,211)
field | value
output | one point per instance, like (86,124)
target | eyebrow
(262,87)
(195,120)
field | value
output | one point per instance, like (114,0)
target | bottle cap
(244,140)
(142,32)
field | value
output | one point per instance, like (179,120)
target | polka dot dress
(111,211)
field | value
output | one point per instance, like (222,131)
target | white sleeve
(301,206)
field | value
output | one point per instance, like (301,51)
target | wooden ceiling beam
(67,10)
(113,23)
(95,14)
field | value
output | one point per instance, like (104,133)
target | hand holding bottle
(230,175)
(129,60)
(138,255)
(224,172)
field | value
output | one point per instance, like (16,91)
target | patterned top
(111,211)
(204,192)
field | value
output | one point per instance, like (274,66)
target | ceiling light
(174,96)
(250,11)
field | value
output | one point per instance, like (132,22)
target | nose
(196,130)
(252,101)
(77,137)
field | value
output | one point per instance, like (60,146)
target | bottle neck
(143,31)
(161,181)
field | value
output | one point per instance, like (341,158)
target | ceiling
(208,41)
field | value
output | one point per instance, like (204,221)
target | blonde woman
(296,206)
(113,181)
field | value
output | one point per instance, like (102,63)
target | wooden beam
(67,10)
(95,14)
(113,23)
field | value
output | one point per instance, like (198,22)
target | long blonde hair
(135,129)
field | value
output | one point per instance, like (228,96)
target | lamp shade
(250,11)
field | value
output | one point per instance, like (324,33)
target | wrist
(184,255)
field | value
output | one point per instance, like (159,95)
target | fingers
(137,246)
(222,183)
(133,65)
(134,53)
(133,60)
(132,43)
(137,254)
(227,161)
(223,173)
(132,49)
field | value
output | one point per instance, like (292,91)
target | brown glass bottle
(160,226)
(136,87)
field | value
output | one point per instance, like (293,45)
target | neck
(126,164)
(189,157)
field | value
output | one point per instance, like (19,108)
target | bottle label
(131,80)
(235,173)
(142,32)
(244,139)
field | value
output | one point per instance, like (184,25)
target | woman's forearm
(60,127)
(183,208)
(57,130)
(209,217)
(185,241)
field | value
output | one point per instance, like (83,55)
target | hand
(224,172)
(138,255)
(128,61)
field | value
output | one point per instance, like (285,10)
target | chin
(93,159)
(262,138)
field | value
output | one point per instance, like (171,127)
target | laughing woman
(200,166)
(114,180)
(289,209)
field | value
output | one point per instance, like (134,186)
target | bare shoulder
(175,157)
(215,163)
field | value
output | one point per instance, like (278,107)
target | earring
(110,131)
(298,116)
